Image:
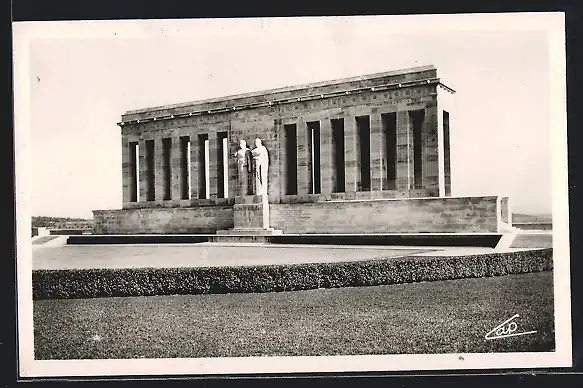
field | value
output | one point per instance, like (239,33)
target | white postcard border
(553,23)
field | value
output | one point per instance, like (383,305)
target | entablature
(402,79)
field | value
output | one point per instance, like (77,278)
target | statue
(261,159)
(244,167)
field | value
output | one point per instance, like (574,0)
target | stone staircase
(257,235)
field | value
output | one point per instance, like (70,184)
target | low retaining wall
(411,215)
(163,220)
(69,232)
(90,283)
(416,215)
(534,226)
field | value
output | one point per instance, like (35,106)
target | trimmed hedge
(91,283)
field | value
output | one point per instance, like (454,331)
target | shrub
(91,283)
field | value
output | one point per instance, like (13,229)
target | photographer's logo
(506,329)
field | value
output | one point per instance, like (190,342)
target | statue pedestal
(251,212)
(251,217)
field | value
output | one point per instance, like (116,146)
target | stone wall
(163,220)
(431,215)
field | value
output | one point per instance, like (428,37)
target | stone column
(194,166)
(234,189)
(213,164)
(326,157)
(377,153)
(446,155)
(350,154)
(404,152)
(304,159)
(430,151)
(143,167)
(159,174)
(175,169)
(126,170)
(274,180)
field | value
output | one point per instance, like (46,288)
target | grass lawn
(432,317)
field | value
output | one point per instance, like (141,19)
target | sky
(81,77)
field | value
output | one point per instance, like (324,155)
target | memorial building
(368,154)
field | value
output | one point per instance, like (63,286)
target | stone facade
(401,105)
(341,155)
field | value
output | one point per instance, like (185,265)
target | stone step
(249,232)
(239,239)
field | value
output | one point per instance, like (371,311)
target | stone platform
(231,254)
(318,215)
(207,255)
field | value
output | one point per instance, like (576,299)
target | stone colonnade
(396,150)
(370,152)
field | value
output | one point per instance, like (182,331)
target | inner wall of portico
(375,144)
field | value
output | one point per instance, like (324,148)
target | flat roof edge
(283,89)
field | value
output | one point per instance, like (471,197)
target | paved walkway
(43,239)
(55,254)
(203,255)
(49,242)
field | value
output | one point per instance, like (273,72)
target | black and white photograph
(292,195)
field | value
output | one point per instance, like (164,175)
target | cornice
(308,97)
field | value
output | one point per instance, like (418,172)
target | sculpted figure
(244,167)
(261,159)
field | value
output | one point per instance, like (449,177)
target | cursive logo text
(506,329)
